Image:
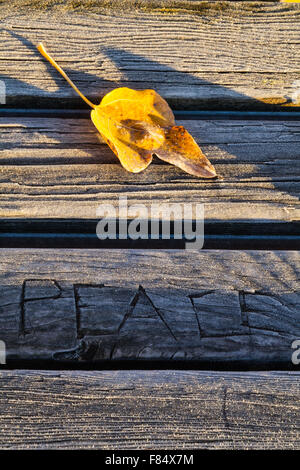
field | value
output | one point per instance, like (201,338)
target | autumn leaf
(137,124)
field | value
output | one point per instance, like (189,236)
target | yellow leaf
(181,150)
(136,124)
(131,123)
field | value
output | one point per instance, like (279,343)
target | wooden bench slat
(117,410)
(94,305)
(76,191)
(214,56)
(258,162)
(54,140)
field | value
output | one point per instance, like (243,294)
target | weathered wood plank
(258,162)
(149,410)
(272,144)
(93,305)
(197,54)
(76,191)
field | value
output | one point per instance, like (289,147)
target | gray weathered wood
(93,305)
(76,191)
(149,410)
(270,144)
(53,168)
(216,55)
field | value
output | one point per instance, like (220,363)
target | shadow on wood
(196,93)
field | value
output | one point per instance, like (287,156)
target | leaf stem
(43,51)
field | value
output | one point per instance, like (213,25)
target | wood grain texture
(58,168)
(93,305)
(40,140)
(201,55)
(149,410)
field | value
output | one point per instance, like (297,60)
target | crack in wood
(22,311)
(225,415)
(224,411)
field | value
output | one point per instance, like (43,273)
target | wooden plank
(258,163)
(76,191)
(198,55)
(110,305)
(149,410)
(274,144)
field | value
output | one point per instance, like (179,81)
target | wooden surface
(58,168)
(210,55)
(99,308)
(92,308)
(201,55)
(207,306)
(149,410)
